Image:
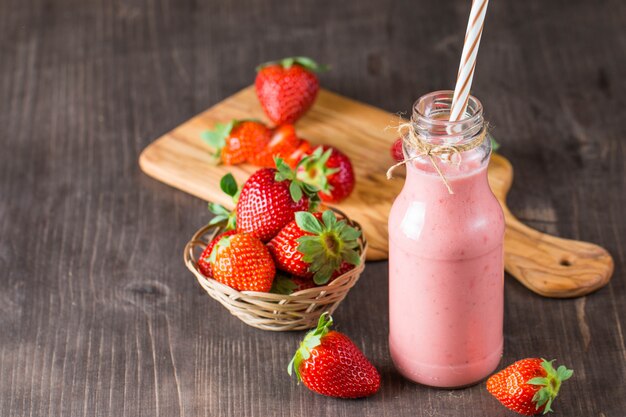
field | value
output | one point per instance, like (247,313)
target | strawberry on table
(331,171)
(242,262)
(269,199)
(329,363)
(238,140)
(283,143)
(316,245)
(287,88)
(528,386)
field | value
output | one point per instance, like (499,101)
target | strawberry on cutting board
(238,140)
(287,88)
(396,150)
(528,386)
(283,143)
(331,171)
(316,245)
(242,262)
(329,363)
(269,199)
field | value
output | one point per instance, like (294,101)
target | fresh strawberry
(237,141)
(528,386)
(204,264)
(315,245)
(304,149)
(329,363)
(283,143)
(331,171)
(396,150)
(269,199)
(287,88)
(242,262)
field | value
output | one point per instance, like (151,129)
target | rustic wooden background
(98,315)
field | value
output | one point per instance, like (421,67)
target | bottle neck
(463,145)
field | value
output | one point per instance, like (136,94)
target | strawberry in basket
(270,198)
(316,246)
(242,262)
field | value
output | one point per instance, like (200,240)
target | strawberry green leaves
(312,339)
(330,243)
(222,214)
(303,61)
(297,188)
(283,285)
(216,138)
(551,384)
(494,145)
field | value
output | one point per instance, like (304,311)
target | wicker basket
(298,311)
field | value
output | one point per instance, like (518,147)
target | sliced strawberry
(283,143)
(304,149)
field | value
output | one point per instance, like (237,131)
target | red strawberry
(204,264)
(242,262)
(237,141)
(331,171)
(315,245)
(287,88)
(329,363)
(269,199)
(283,143)
(303,150)
(528,386)
(396,150)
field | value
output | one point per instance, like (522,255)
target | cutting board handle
(548,265)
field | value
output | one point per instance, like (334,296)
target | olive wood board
(547,265)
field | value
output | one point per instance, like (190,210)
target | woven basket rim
(315,292)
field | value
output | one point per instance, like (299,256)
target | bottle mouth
(431,113)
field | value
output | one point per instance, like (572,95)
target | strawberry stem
(303,61)
(551,384)
(330,243)
(312,339)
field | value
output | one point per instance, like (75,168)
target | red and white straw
(468,59)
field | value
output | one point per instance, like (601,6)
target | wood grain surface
(98,315)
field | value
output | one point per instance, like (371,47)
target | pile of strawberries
(276,239)
(286,90)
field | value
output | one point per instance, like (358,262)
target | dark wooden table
(98,315)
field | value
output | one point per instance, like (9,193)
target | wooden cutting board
(547,265)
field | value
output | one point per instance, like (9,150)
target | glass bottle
(446,271)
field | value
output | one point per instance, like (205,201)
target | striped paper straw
(468,59)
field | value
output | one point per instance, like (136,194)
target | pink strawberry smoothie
(446,275)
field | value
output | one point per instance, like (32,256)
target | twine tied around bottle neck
(422,147)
